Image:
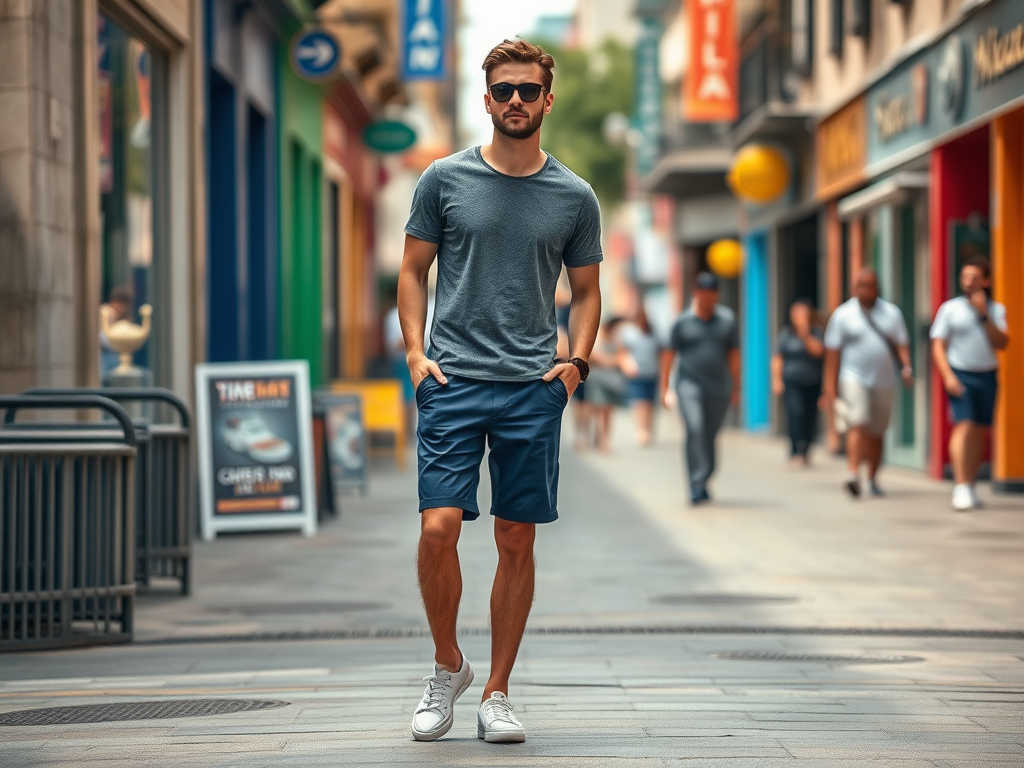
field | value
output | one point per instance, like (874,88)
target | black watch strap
(582,366)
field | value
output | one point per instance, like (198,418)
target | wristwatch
(983,319)
(581,365)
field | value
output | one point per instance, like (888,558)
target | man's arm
(999,338)
(830,379)
(907,373)
(949,380)
(412,307)
(584,320)
(668,357)
(734,370)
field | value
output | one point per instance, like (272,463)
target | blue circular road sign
(315,54)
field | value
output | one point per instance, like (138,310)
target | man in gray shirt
(705,342)
(501,220)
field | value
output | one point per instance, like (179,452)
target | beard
(518,132)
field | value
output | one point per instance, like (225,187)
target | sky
(485,24)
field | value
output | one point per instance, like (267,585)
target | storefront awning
(690,172)
(894,189)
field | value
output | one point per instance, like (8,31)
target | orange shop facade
(922,170)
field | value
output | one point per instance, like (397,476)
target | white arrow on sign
(321,52)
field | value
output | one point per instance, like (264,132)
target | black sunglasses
(528,92)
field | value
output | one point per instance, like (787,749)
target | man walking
(705,342)
(502,220)
(965,336)
(866,344)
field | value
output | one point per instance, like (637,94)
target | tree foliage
(588,85)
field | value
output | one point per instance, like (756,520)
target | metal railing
(67,554)
(163,501)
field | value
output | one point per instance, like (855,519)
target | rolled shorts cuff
(538,518)
(470,509)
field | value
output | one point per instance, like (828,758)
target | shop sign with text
(974,72)
(841,150)
(710,88)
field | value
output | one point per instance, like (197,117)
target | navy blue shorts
(979,400)
(641,389)
(521,423)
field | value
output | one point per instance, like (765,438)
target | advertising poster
(255,447)
(346,441)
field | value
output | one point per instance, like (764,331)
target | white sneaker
(963,498)
(496,721)
(436,711)
(978,503)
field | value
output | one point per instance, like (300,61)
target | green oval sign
(389,136)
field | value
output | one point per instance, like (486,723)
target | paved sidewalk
(883,632)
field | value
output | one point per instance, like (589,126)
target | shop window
(130,87)
(837,29)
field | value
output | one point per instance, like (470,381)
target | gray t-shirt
(502,241)
(702,350)
(798,365)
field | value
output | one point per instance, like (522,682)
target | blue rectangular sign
(424,36)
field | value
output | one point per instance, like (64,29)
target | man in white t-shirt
(965,336)
(863,341)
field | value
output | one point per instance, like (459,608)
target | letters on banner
(711,84)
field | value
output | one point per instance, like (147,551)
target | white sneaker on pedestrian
(436,711)
(978,503)
(496,721)
(963,498)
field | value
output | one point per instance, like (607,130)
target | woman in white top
(965,336)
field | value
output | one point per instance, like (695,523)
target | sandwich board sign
(345,435)
(255,447)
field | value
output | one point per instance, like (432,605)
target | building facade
(102,179)
(919,168)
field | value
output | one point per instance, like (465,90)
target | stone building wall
(38,237)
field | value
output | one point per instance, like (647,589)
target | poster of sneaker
(255,447)
(346,441)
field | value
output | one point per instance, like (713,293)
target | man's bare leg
(440,579)
(854,449)
(872,451)
(966,448)
(511,599)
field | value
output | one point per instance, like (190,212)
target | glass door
(130,87)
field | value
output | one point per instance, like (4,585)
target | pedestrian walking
(796,376)
(965,336)
(606,387)
(639,360)
(705,343)
(866,351)
(501,220)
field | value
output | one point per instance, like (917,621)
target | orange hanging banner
(710,90)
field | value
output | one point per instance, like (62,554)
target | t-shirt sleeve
(902,337)
(584,244)
(673,337)
(425,219)
(733,341)
(940,327)
(834,331)
(998,314)
(782,341)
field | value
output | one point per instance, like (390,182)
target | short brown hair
(982,263)
(519,51)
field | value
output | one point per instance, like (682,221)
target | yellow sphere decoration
(759,174)
(725,258)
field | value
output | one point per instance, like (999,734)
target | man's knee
(514,540)
(440,528)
